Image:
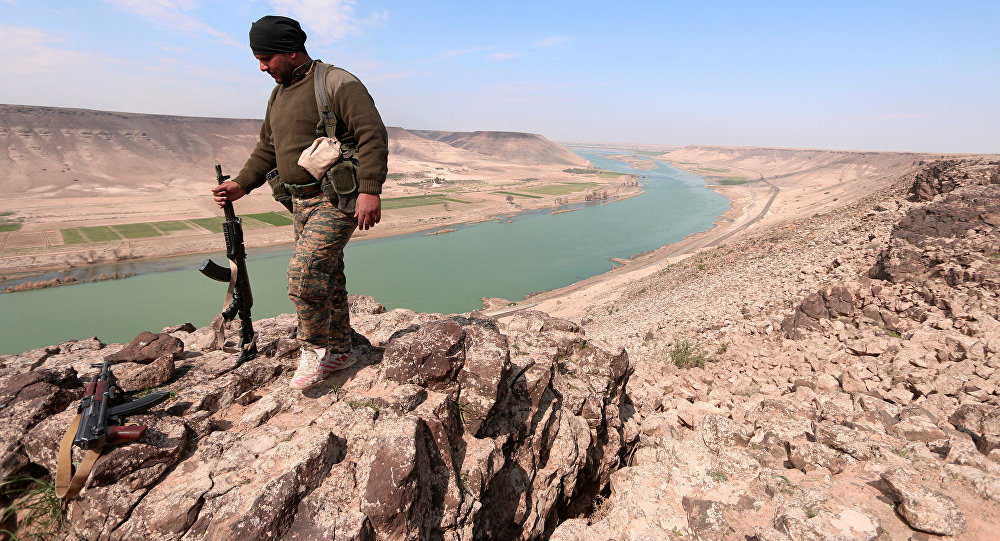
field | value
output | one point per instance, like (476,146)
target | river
(447,273)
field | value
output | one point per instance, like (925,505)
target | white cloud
(171,14)
(50,70)
(326,21)
(34,49)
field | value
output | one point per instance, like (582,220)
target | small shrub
(35,507)
(687,355)
(718,475)
(366,403)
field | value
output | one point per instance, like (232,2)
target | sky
(916,76)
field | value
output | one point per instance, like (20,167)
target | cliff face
(836,377)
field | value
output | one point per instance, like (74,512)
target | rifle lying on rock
(98,423)
(239,299)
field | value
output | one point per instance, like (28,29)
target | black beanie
(276,34)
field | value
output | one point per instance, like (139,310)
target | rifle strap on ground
(219,323)
(68,484)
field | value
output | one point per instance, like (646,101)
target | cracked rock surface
(447,427)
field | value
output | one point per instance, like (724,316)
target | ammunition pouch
(340,183)
(278,190)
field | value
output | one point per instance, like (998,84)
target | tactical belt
(304,190)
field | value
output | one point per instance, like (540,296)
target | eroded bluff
(448,427)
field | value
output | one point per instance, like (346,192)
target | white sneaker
(312,367)
(339,361)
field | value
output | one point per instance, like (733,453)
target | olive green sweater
(290,127)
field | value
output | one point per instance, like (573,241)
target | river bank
(57,262)
(780,185)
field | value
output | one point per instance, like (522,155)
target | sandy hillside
(76,168)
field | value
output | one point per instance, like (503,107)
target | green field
(72,236)
(561,189)
(9,224)
(714,169)
(453,200)
(732,181)
(99,233)
(102,233)
(136,231)
(171,225)
(603,173)
(272,218)
(411,201)
(212,224)
(515,194)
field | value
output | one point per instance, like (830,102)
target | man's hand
(368,210)
(227,191)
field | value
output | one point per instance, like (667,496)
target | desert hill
(82,151)
(516,147)
(72,168)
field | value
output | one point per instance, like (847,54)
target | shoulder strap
(68,484)
(327,119)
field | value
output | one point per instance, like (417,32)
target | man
(323,223)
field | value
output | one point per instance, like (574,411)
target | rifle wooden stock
(122,434)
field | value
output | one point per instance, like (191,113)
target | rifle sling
(219,324)
(68,484)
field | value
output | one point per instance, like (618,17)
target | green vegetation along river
(446,273)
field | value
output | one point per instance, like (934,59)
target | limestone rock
(147,347)
(924,509)
(848,524)
(982,421)
(136,377)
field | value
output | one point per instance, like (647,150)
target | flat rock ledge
(448,427)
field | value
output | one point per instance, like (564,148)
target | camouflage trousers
(316,282)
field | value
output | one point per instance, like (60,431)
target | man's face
(277,65)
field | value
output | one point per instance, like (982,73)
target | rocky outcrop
(450,427)
(833,403)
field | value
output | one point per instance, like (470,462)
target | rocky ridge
(840,382)
(849,387)
(451,427)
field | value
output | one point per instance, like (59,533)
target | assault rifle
(100,420)
(98,423)
(236,276)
